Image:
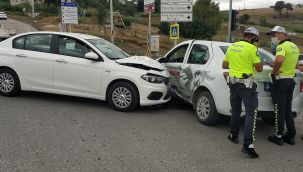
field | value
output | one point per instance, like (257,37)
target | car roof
(81,35)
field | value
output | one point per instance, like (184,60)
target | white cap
(252,30)
(277,29)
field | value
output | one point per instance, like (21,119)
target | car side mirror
(161,60)
(92,56)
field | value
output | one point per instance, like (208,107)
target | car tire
(123,97)
(9,83)
(205,108)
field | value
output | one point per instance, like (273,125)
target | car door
(73,73)
(33,60)
(173,61)
(194,71)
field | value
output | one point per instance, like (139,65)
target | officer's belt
(247,82)
(283,77)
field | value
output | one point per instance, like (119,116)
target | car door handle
(21,55)
(61,60)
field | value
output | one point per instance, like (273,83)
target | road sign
(176,17)
(149,8)
(174,31)
(147,2)
(69,12)
(176,8)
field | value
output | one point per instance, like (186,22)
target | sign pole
(112,22)
(229,22)
(149,29)
(175,40)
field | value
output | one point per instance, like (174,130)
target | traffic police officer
(287,54)
(241,59)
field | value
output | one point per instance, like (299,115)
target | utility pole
(33,8)
(111,22)
(229,22)
(149,30)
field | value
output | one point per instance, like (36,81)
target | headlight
(156,79)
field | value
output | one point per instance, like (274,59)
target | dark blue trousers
(282,94)
(249,96)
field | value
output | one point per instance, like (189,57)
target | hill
(131,38)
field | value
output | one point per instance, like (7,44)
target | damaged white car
(80,65)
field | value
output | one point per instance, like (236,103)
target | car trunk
(264,86)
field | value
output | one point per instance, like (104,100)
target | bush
(244,19)
(164,28)
(127,21)
(263,20)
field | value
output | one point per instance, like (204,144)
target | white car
(197,76)
(3,16)
(80,65)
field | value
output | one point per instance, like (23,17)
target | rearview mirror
(92,56)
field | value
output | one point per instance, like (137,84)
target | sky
(251,4)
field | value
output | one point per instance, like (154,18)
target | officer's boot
(249,150)
(289,139)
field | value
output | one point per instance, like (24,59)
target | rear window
(265,56)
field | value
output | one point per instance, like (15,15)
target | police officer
(287,54)
(241,59)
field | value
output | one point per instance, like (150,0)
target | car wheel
(205,108)
(9,83)
(123,96)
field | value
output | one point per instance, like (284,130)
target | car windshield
(108,49)
(265,56)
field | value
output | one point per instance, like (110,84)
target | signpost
(149,5)
(176,11)
(69,13)
(174,31)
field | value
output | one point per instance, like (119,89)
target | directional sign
(174,31)
(146,2)
(176,17)
(69,12)
(176,8)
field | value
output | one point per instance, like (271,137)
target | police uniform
(283,87)
(241,57)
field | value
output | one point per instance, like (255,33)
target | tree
(244,19)
(102,12)
(206,21)
(279,7)
(288,7)
(140,5)
(263,20)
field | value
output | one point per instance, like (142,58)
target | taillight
(225,74)
(301,85)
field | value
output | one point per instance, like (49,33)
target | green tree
(279,7)
(244,18)
(102,12)
(140,5)
(288,7)
(263,21)
(206,21)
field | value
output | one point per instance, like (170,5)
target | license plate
(267,86)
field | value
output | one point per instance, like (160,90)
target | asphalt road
(45,132)
(18,26)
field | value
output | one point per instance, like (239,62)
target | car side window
(38,42)
(72,47)
(199,54)
(177,56)
(18,43)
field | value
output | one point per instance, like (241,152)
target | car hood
(142,62)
